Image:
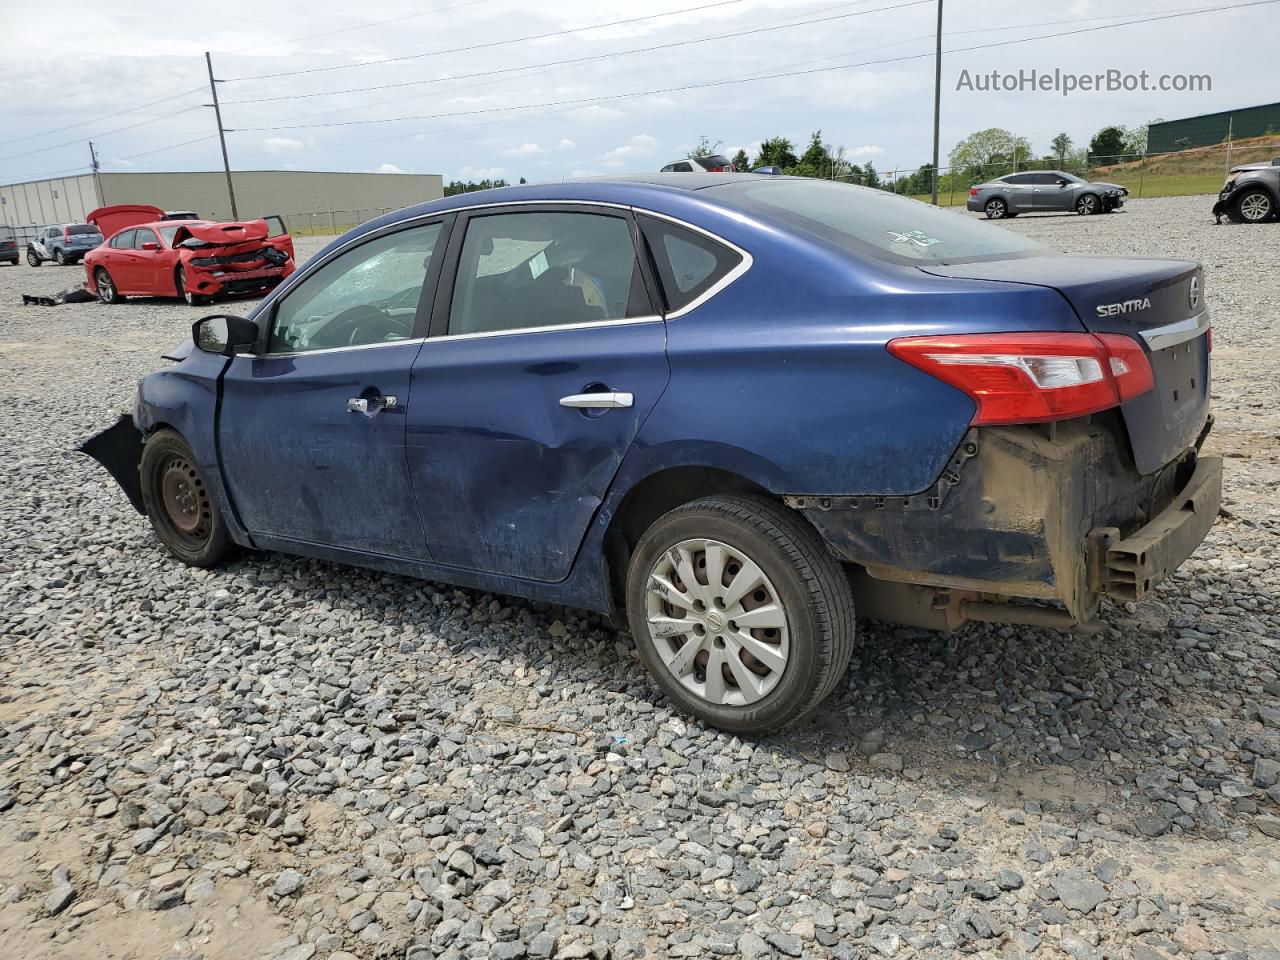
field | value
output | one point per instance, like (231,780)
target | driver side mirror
(1061,182)
(151,245)
(225,335)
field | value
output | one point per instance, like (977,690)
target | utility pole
(222,136)
(97,177)
(937,102)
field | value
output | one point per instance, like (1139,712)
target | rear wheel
(1252,206)
(33,259)
(742,616)
(107,291)
(60,258)
(179,504)
(1088,205)
(996,208)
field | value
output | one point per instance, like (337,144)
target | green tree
(1107,144)
(468,186)
(870,176)
(776,152)
(740,161)
(816,161)
(1061,147)
(989,153)
(1135,140)
(705,147)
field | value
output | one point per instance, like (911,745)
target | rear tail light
(1033,377)
(973,191)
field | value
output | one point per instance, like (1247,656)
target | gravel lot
(284,758)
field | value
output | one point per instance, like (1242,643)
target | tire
(193,299)
(1252,206)
(107,291)
(33,259)
(996,208)
(800,583)
(182,511)
(60,258)
(1088,204)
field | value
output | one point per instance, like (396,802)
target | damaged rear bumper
(1027,512)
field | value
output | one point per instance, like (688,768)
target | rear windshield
(715,160)
(82,229)
(876,223)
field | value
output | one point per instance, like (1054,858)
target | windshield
(876,223)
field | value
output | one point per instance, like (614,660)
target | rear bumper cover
(1028,512)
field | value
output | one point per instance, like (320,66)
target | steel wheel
(718,622)
(187,510)
(1255,207)
(1087,205)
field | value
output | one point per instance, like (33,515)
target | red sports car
(146,255)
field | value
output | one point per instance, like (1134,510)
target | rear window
(715,160)
(83,230)
(876,223)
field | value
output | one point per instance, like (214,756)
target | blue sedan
(734,409)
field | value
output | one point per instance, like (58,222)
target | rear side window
(123,240)
(684,166)
(715,161)
(689,263)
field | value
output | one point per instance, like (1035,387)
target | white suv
(715,163)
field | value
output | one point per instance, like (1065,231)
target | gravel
(289,759)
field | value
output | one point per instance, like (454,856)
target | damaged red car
(146,255)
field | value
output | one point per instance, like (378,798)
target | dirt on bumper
(1032,512)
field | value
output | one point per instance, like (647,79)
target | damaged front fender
(119,450)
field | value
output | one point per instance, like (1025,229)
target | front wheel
(190,296)
(179,504)
(107,291)
(33,259)
(996,209)
(1252,206)
(742,616)
(1087,205)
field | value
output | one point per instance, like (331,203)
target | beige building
(308,199)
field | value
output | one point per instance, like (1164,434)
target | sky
(477,89)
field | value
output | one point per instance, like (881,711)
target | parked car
(64,244)
(1044,191)
(193,259)
(8,245)
(769,171)
(715,163)
(739,408)
(1251,193)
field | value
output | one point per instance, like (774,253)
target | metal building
(308,198)
(1169,136)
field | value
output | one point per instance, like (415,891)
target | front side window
(144,236)
(524,270)
(168,234)
(275,226)
(123,240)
(365,296)
(689,263)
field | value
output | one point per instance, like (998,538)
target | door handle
(361,405)
(599,401)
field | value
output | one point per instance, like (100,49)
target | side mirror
(225,335)
(151,245)
(1062,183)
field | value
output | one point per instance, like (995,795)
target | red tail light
(973,191)
(1033,377)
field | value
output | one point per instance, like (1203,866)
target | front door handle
(598,401)
(361,405)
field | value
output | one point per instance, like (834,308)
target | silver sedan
(1044,191)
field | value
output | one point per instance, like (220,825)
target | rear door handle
(361,405)
(600,401)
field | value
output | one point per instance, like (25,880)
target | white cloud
(388,168)
(870,150)
(638,146)
(565,144)
(482,173)
(525,150)
(585,173)
(282,145)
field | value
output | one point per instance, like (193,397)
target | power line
(585,101)
(107,116)
(172,146)
(483,46)
(763,28)
(103,133)
(363,26)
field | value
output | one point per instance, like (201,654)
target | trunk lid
(121,215)
(1160,303)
